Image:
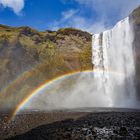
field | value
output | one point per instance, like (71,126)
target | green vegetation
(28,58)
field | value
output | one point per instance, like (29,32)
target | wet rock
(115,131)
(81,129)
(94,132)
(123,131)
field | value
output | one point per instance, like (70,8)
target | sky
(90,15)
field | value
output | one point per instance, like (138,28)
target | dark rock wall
(135,20)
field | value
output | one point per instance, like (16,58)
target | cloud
(15,5)
(110,8)
(86,24)
(105,14)
(71,18)
(66,16)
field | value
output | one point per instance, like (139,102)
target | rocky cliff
(28,58)
(135,21)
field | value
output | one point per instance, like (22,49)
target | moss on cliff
(29,58)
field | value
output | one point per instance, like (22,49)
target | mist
(110,84)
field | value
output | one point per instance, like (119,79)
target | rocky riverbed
(120,125)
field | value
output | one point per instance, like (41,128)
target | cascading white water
(113,54)
(110,84)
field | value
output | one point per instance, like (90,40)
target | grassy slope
(35,57)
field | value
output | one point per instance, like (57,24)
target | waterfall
(110,84)
(113,56)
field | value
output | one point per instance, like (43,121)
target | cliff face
(28,58)
(135,20)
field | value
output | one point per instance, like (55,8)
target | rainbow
(48,82)
(39,88)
